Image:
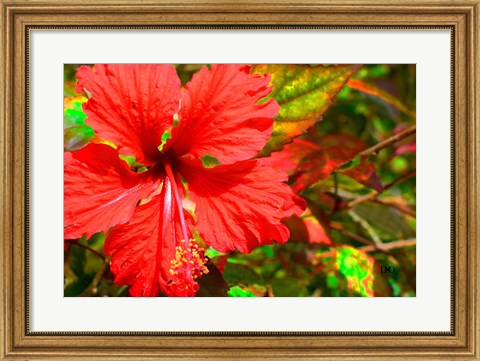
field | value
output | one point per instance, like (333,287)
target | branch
(337,198)
(384,144)
(92,289)
(403,209)
(389,141)
(374,194)
(390,245)
(76,243)
(339,227)
(384,247)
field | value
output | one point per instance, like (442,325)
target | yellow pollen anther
(189,262)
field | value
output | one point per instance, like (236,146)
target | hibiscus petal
(142,249)
(220,116)
(100,190)
(131,105)
(239,206)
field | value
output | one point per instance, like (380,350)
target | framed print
(269,159)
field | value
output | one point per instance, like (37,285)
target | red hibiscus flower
(238,204)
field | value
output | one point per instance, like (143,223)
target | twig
(338,227)
(404,210)
(93,286)
(319,268)
(284,262)
(389,141)
(390,245)
(374,194)
(379,146)
(74,242)
(384,247)
(337,198)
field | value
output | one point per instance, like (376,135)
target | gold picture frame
(18,17)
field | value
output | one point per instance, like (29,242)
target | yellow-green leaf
(304,93)
(358,269)
(76,132)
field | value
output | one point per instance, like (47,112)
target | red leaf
(100,190)
(297,228)
(316,225)
(289,158)
(308,229)
(220,115)
(131,105)
(239,206)
(346,147)
(365,173)
(315,158)
(317,233)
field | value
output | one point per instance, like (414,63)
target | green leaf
(93,262)
(237,291)
(211,253)
(130,160)
(235,274)
(77,137)
(304,93)
(389,223)
(209,161)
(73,117)
(358,268)
(288,287)
(77,259)
(76,278)
(167,135)
(76,132)
(73,110)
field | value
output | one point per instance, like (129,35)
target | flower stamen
(188,265)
